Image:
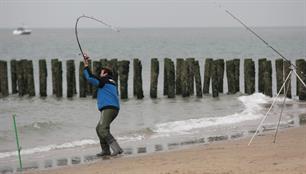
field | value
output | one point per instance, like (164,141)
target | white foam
(50,147)
(72,144)
(252,106)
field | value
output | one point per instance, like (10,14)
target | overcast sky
(152,13)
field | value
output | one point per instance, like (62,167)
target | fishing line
(92,18)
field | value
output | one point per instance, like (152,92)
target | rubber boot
(116,148)
(105,150)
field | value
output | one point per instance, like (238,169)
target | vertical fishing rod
(17,142)
(254,33)
(92,18)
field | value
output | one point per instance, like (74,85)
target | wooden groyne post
(214,78)
(190,80)
(14,76)
(166,69)
(220,70)
(171,79)
(3,79)
(82,81)
(301,71)
(279,68)
(21,78)
(57,77)
(207,75)
(154,77)
(197,76)
(30,78)
(249,76)
(267,78)
(233,75)
(137,80)
(287,68)
(70,77)
(178,76)
(185,79)
(261,70)
(113,64)
(123,70)
(43,77)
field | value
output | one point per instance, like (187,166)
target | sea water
(50,125)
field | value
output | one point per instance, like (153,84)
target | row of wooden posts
(182,79)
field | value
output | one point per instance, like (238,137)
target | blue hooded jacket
(107,95)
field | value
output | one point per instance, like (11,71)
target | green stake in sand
(17,141)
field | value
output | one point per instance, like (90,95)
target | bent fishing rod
(257,35)
(92,18)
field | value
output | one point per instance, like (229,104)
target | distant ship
(22,31)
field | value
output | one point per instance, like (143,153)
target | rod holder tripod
(283,104)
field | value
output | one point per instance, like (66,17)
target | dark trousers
(103,127)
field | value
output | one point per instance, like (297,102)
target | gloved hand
(86,58)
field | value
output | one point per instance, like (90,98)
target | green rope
(17,141)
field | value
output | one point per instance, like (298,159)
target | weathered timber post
(171,80)
(301,71)
(207,75)
(70,77)
(185,76)
(24,64)
(53,69)
(3,79)
(59,79)
(249,76)
(113,65)
(220,70)
(268,78)
(14,76)
(237,75)
(197,76)
(279,66)
(123,69)
(104,62)
(96,69)
(166,69)
(154,77)
(287,69)
(43,73)
(230,74)
(137,85)
(20,78)
(178,81)
(214,78)
(30,78)
(190,62)
(261,70)
(82,81)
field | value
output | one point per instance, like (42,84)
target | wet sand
(287,156)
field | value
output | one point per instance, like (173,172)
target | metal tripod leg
(265,117)
(281,114)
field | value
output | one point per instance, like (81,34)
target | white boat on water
(22,31)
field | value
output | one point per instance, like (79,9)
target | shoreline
(287,155)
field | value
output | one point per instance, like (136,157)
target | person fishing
(108,105)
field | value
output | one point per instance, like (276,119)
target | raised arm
(87,74)
(89,77)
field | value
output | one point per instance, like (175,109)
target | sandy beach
(287,156)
